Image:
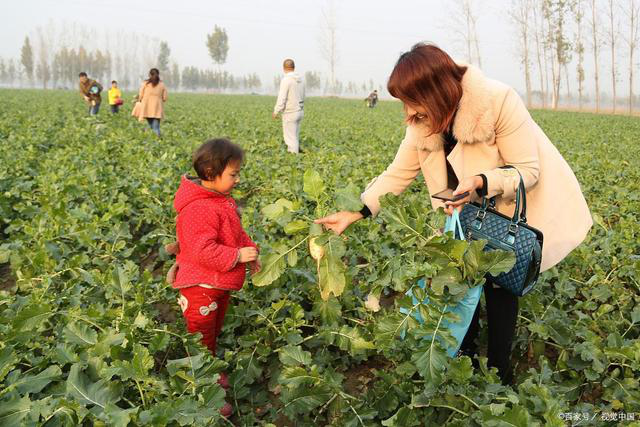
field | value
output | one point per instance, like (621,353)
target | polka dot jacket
(210,235)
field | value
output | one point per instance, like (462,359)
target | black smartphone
(447,195)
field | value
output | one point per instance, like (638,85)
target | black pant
(114,108)
(502,314)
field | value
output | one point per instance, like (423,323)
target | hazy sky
(371,33)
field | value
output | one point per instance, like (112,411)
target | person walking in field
(372,99)
(290,104)
(463,129)
(213,250)
(115,97)
(151,98)
(90,90)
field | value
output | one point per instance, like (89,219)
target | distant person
(372,99)
(290,104)
(152,96)
(90,90)
(115,97)
(213,250)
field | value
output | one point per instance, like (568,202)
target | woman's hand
(468,185)
(339,221)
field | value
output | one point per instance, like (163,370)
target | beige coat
(494,128)
(151,101)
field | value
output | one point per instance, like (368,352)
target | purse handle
(520,213)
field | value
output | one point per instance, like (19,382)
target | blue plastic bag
(464,309)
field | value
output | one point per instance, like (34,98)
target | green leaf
(80,333)
(296,226)
(449,277)
(331,279)
(516,416)
(36,383)
(312,184)
(302,400)
(431,363)
(88,393)
(292,258)
(330,310)
(31,316)
(496,262)
(348,198)
(118,417)
(294,356)
(273,265)
(8,360)
(12,412)
(405,417)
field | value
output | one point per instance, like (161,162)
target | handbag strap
(453,224)
(520,213)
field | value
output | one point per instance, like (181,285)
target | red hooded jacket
(210,234)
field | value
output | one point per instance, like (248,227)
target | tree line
(56,58)
(557,35)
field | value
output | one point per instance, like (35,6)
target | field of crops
(90,333)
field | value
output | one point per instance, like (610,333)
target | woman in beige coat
(462,127)
(151,99)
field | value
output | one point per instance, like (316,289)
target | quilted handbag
(482,221)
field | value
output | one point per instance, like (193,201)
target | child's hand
(256,266)
(248,254)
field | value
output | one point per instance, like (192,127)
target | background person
(115,97)
(152,96)
(290,104)
(462,127)
(372,99)
(90,90)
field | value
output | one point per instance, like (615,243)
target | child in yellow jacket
(115,97)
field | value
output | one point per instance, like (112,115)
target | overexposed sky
(371,33)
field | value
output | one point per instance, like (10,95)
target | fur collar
(474,121)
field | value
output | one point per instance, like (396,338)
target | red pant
(204,311)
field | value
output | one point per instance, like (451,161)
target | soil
(7,279)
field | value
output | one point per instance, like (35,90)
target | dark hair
(82,74)
(154,76)
(212,157)
(113,81)
(288,63)
(426,76)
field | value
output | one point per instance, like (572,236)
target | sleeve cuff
(365,211)
(482,192)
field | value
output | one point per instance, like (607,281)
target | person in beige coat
(151,99)
(462,127)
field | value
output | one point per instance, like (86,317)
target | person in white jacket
(290,104)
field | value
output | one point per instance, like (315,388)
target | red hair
(427,77)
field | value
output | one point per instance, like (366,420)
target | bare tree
(632,39)
(539,36)
(520,15)
(329,43)
(464,18)
(578,13)
(595,46)
(612,32)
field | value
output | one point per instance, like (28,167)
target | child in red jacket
(213,248)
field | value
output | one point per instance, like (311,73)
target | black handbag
(482,221)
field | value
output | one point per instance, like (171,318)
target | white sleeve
(282,96)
